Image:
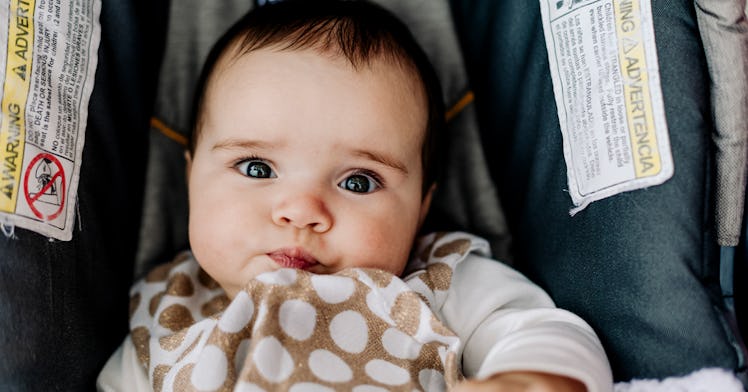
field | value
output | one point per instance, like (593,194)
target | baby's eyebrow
(383,159)
(243,144)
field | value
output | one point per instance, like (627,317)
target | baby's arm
(522,381)
(509,325)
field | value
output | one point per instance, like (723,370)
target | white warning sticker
(606,82)
(48,50)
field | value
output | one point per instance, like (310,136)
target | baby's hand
(523,382)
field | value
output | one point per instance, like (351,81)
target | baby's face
(305,162)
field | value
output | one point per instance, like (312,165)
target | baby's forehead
(359,59)
(268,68)
(381,64)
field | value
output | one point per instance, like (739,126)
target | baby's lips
(294,257)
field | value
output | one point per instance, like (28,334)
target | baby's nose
(304,211)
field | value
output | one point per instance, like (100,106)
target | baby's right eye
(255,168)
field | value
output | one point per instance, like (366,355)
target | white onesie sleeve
(123,371)
(507,323)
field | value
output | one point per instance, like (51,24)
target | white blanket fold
(704,380)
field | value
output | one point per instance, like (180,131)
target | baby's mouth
(293,258)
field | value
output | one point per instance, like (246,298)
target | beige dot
(426,252)
(438,276)
(333,289)
(438,327)
(309,387)
(406,312)
(349,331)
(176,317)
(206,280)
(244,386)
(238,314)
(272,360)
(173,341)
(297,318)
(211,369)
(329,367)
(159,374)
(140,339)
(460,246)
(380,278)
(154,303)
(180,285)
(369,388)
(160,273)
(215,305)
(400,344)
(386,372)
(182,380)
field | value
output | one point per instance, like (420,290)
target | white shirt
(504,321)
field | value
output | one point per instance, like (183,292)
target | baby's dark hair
(356,29)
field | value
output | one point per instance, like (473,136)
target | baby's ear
(425,205)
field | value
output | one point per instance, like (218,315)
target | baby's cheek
(211,225)
(208,246)
(386,247)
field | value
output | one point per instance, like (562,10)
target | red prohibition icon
(45,195)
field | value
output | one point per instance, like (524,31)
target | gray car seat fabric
(200,23)
(724,30)
(642,267)
(465,198)
(63,303)
(740,289)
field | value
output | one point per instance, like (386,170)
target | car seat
(643,267)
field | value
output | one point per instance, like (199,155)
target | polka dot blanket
(359,329)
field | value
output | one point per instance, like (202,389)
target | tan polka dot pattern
(134,303)
(215,305)
(140,339)
(176,317)
(359,329)
(180,285)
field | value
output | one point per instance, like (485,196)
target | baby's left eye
(360,183)
(255,168)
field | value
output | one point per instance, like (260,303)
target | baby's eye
(360,183)
(255,168)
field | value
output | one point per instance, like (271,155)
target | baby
(315,152)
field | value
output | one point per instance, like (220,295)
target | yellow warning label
(15,93)
(636,90)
